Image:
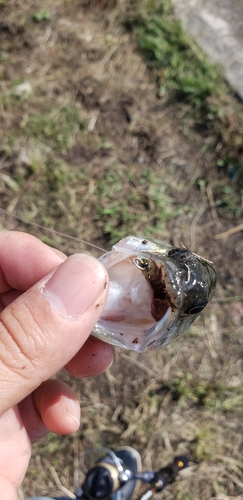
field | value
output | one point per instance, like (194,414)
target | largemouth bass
(156,291)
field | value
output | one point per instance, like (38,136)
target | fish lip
(145,340)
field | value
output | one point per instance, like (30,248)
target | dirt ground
(130,165)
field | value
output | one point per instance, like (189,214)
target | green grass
(56,128)
(42,15)
(210,394)
(186,76)
(180,65)
(131,213)
(178,62)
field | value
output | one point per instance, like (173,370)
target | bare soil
(188,397)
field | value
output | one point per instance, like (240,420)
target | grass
(208,394)
(149,197)
(105,141)
(57,128)
(52,128)
(178,62)
(42,15)
(185,74)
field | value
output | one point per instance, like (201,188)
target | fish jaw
(143,312)
(136,337)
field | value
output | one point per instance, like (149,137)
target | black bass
(156,291)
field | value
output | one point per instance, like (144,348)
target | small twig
(93,120)
(140,365)
(231,231)
(62,488)
(230,460)
(212,204)
(193,226)
(225,300)
(234,479)
(110,379)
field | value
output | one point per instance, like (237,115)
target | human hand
(46,316)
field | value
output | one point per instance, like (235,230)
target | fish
(156,292)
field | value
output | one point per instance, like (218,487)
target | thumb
(47,325)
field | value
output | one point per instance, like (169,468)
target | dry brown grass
(87,148)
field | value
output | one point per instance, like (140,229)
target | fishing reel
(114,471)
(117,472)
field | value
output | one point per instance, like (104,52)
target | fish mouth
(155,293)
(134,337)
(138,308)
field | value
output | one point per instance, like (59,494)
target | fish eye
(196,308)
(178,253)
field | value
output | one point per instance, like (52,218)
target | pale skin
(48,307)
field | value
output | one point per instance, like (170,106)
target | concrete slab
(217,25)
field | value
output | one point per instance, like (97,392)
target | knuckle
(20,340)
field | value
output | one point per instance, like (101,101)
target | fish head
(156,291)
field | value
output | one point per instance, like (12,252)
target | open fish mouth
(156,291)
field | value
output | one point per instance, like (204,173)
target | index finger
(24,260)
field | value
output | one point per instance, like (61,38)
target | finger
(58,407)
(44,328)
(52,407)
(24,260)
(7,297)
(15,451)
(31,419)
(8,490)
(94,358)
